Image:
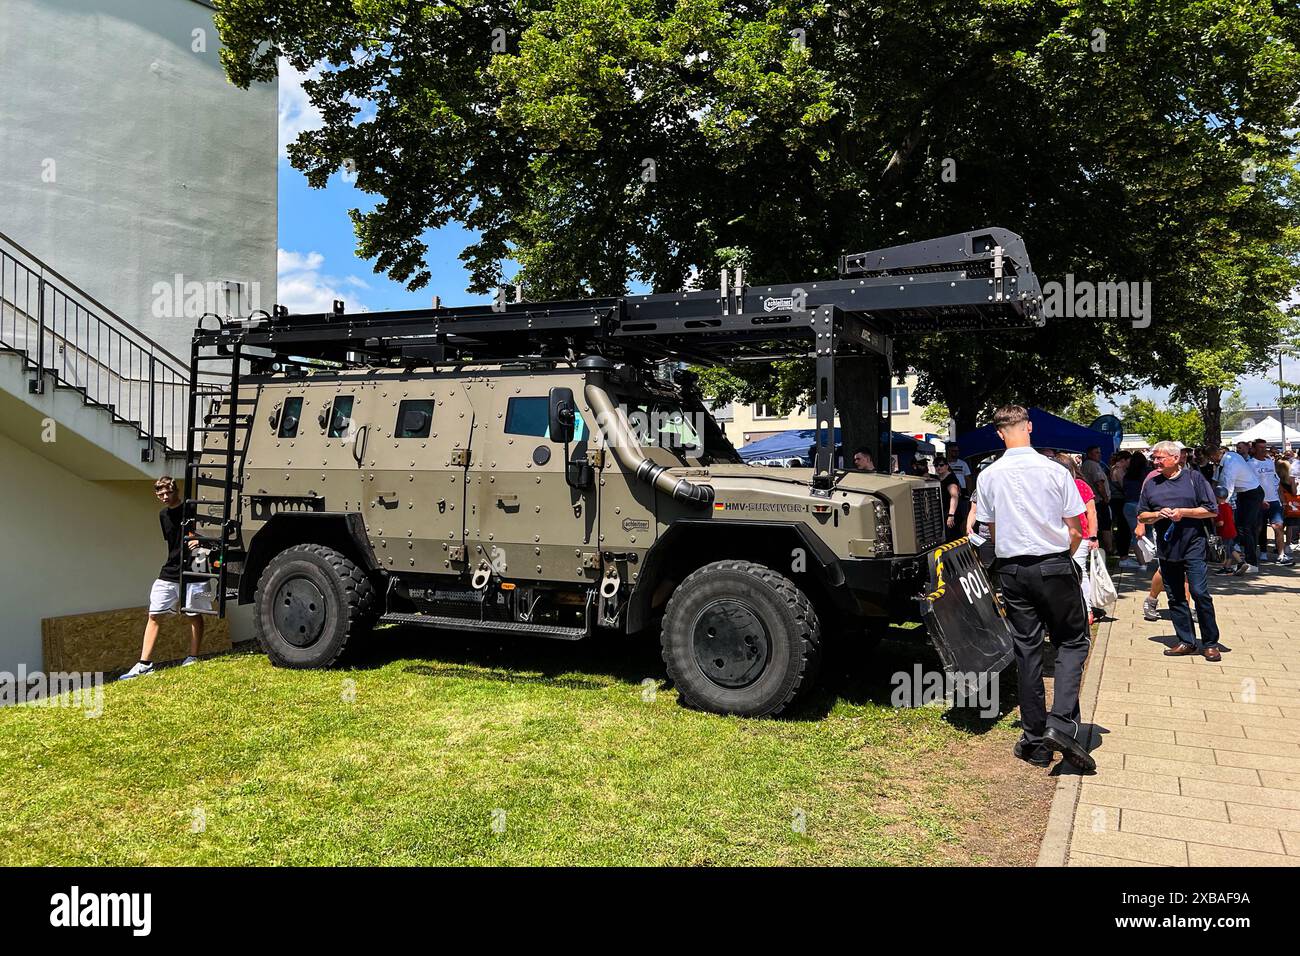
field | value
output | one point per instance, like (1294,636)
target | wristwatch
(1093,538)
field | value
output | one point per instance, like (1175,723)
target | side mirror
(561,409)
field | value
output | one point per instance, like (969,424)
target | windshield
(683,431)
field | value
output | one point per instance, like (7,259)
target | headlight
(884,532)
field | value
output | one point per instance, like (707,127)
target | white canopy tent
(1271,430)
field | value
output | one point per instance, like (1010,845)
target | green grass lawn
(445,749)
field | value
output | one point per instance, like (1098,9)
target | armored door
(415,495)
(526,522)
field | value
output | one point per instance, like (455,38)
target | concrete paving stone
(1129,846)
(1092,859)
(1273,733)
(1292,842)
(1228,707)
(1160,735)
(1159,720)
(1199,854)
(1195,830)
(1133,780)
(1186,768)
(1189,740)
(1171,715)
(1105,758)
(1146,748)
(1283,781)
(1184,693)
(1257,816)
(1265,697)
(1238,793)
(1100,794)
(1232,758)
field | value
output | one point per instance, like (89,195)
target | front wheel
(739,638)
(312,602)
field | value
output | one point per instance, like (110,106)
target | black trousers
(1042,595)
(1249,516)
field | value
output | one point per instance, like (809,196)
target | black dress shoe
(1181,649)
(1070,749)
(1036,754)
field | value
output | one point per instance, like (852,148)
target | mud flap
(964,618)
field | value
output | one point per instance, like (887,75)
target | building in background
(139,191)
(745,424)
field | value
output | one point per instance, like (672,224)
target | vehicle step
(486,627)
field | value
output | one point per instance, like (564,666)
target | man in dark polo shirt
(1181,503)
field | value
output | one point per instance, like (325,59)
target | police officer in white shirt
(1032,506)
(1240,479)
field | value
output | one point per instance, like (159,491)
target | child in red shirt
(1226,527)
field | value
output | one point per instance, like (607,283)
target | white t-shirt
(1027,497)
(960,470)
(1267,473)
(1295,468)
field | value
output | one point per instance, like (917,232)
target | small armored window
(340,417)
(290,416)
(531,416)
(414,418)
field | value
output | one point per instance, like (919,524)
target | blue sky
(318,261)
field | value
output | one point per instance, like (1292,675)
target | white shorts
(165,597)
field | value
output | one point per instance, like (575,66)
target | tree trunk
(1213,417)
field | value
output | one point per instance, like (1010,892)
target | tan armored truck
(530,470)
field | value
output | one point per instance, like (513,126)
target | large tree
(603,143)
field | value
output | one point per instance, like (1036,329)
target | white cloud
(296,110)
(304,288)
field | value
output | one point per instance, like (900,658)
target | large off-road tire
(739,638)
(312,603)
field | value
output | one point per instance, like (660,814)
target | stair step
(486,627)
(216,482)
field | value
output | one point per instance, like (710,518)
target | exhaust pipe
(627,450)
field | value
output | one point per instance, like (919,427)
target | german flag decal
(719,506)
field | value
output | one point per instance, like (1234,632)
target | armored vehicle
(549,470)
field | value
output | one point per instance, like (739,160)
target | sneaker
(1286,559)
(139,670)
(1150,608)
(1128,564)
(1224,570)
(1249,569)
(189,660)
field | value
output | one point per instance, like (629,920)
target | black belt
(1035,558)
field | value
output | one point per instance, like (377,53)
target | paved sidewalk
(1197,763)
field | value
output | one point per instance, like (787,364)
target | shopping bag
(1104,594)
(1146,549)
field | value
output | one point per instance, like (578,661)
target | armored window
(340,417)
(531,416)
(290,416)
(414,417)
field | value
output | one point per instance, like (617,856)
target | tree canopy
(602,144)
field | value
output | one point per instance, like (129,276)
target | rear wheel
(739,638)
(312,603)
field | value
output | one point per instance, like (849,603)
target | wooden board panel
(110,640)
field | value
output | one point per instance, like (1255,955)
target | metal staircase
(69,340)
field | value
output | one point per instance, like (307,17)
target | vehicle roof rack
(978,280)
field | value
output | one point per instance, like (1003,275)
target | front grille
(927,514)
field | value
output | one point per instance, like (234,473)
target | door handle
(359,444)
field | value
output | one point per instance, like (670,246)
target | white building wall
(126,158)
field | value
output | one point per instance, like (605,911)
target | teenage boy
(165,595)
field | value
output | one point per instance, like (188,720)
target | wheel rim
(298,610)
(732,647)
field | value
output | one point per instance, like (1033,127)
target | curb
(1055,848)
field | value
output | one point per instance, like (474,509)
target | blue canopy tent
(796,442)
(1050,431)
